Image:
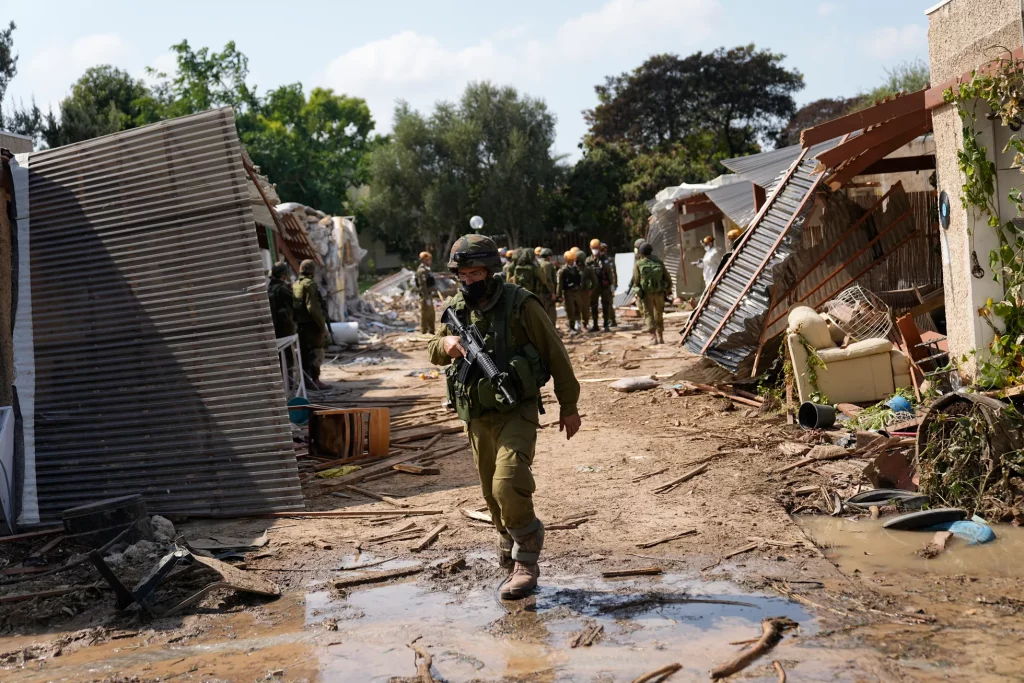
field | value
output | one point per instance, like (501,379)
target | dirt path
(868,624)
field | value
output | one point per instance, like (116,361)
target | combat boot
(505,544)
(661,336)
(654,338)
(594,327)
(521,582)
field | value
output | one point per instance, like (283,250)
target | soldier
(282,303)
(589,284)
(510,264)
(425,288)
(522,342)
(653,281)
(603,289)
(570,286)
(615,279)
(309,315)
(527,274)
(551,275)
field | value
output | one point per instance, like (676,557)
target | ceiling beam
(833,158)
(923,162)
(871,116)
(855,167)
(700,222)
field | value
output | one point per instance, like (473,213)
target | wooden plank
(928,305)
(850,149)
(921,162)
(666,539)
(341,514)
(871,116)
(702,221)
(668,486)
(759,197)
(620,573)
(430,537)
(416,469)
(377,496)
(855,167)
(424,433)
(382,466)
(378,578)
(32,534)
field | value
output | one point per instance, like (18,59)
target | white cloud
(621,25)
(889,42)
(827,8)
(52,70)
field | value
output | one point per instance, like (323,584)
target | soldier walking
(570,290)
(523,343)
(551,277)
(425,288)
(309,315)
(653,281)
(602,291)
(615,281)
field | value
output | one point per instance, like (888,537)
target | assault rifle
(476,354)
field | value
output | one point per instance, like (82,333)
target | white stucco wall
(961,36)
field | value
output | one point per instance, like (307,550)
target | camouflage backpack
(652,276)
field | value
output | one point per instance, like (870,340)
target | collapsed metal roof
(736,200)
(764,169)
(147,361)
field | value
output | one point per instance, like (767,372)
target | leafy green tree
(490,154)
(104,100)
(314,149)
(8,60)
(205,80)
(908,76)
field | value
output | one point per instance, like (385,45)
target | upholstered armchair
(868,370)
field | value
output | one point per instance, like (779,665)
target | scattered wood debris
(621,573)
(772,630)
(587,636)
(666,539)
(430,537)
(668,486)
(380,577)
(658,675)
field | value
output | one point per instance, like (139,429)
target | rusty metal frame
(739,247)
(279,242)
(771,251)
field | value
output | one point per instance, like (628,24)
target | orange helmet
(425,255)
(537,250)
(570,256)
(595,243)
(709,240)
(733,234)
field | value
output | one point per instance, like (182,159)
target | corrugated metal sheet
(736,200)
(735,343)
(156,369)
(764,168)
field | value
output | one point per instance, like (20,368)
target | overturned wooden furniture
(350,433)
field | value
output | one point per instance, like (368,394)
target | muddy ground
(868,607)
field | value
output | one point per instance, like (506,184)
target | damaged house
(144,358)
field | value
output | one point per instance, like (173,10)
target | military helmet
(546,253)
(570,256)
(646,249)
(604,247)
(470,251)
(639,242)
(733,234)
(307,267)
(595,243)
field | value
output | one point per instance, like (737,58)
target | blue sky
(424,51)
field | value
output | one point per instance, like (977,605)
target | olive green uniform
(503,438)
(583,296)
(527,273)
(425,288)
(309,314)
(570,286)
(654,300)
(282,308)
(604,288)
(551,290)
(507,270)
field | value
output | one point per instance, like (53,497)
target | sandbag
(628,384)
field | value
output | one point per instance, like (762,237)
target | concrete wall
(15,143)
(961,36)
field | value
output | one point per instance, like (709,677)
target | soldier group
(299,308)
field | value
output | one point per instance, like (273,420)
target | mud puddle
(864,546)
(647,623)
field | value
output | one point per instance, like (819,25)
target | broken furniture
(95,524)
(867,370)
(144,593)
(291,375)
(350,433)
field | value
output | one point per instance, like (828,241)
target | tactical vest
(508,346)
(572,279)
(527,277)
(302,316)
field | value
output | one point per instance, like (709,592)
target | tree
(812,114)
(741,95)
(104,100)
(204,80)
(8,60)
(489,155)
(313,149)
(908,76)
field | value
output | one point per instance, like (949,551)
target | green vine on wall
(1002,89)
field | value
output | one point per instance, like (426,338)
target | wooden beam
(682,249)
(855,167)
(923,162)
(883,111)
(701,222)
(759,197)
(832,158)
(928,305)
(934,96)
